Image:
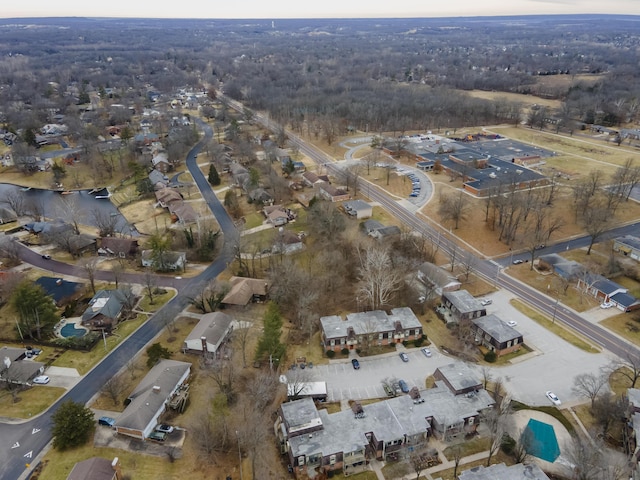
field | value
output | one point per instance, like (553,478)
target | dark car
(403,386)
(46,257)
(157,436)
(355,363)
(404,357)
(107,421)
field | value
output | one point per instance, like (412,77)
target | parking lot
(552,365)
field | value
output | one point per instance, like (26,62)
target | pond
(52,203)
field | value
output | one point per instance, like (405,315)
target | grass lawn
(475,445)
(624,325)
(29,402)
(498,457)
(357,476)
(555,328)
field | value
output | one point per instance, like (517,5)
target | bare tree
(468,264)
(89,267)
(150,285)
(242,334)
(378,279)
(419,461)
(628,367)
(113,388)
(16,200)
(105,222)
(70,209)
(596,220)
(589,385)
(297,380)
(453,208)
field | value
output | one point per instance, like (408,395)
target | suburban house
(604,290)
(119,247)
(7,215)
(165,196)
(149,399)
(158,179)
(369,328)
(286,242)
(358,209)
(161,162)
(209,334)
(105,309)
(58,288)
(331,193)
(82,243)
(165,261)
(500,471)
(182,212)
(261,196)
(628,245)
(458,378)
(245,290)
(316,441)
(311,179)
(567,269)
(278,215)
(462,305)
(632,429)
(494,334)
(377,230)
(436,280)
(96,468)
(16,368)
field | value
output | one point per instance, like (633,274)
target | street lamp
(239,453)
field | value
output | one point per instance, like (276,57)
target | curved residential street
(21,443)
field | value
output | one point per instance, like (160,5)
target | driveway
(552,365)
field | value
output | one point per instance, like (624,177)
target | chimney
(204,345)
(156,389)
(117,468)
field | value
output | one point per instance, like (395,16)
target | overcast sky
(310,8)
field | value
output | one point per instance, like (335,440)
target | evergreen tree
(214,178)
(269,344)
(155,352)
(35,309)
(73,424)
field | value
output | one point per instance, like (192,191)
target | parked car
(163,427)
(355,363)
(107,421)
(46,257)
(554,399)
(157,436)
(403,386)
(541,246)
(517,261)
(512,323)
(606,305)
(426,351)
(404,357)
(41,380)
(486,302)
(388,390)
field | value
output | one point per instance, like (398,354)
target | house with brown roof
(96,468)
(287,242)
(245,290)
(119,247)
(165,196)
(149,400)
(333,194)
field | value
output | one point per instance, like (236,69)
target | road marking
(28,454)
(16,445)
(34,431)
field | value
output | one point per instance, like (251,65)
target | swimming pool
(540,440)
(70,330)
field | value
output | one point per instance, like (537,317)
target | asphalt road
(489,269)
(21,443)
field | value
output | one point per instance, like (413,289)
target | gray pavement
(551,365)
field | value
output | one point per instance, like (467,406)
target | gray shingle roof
(497,328)
(146,400)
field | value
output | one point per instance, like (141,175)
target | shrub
(331,353)
(344,351)
(507,444)
(405,343)
(358,351)
(418,342)
(490,356)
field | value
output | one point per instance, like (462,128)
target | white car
(486,302)
(41,380)
(554,399)
(512,323)
(606,305)
(426,351)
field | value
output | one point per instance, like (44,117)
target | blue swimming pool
(70,330)
(540,440)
